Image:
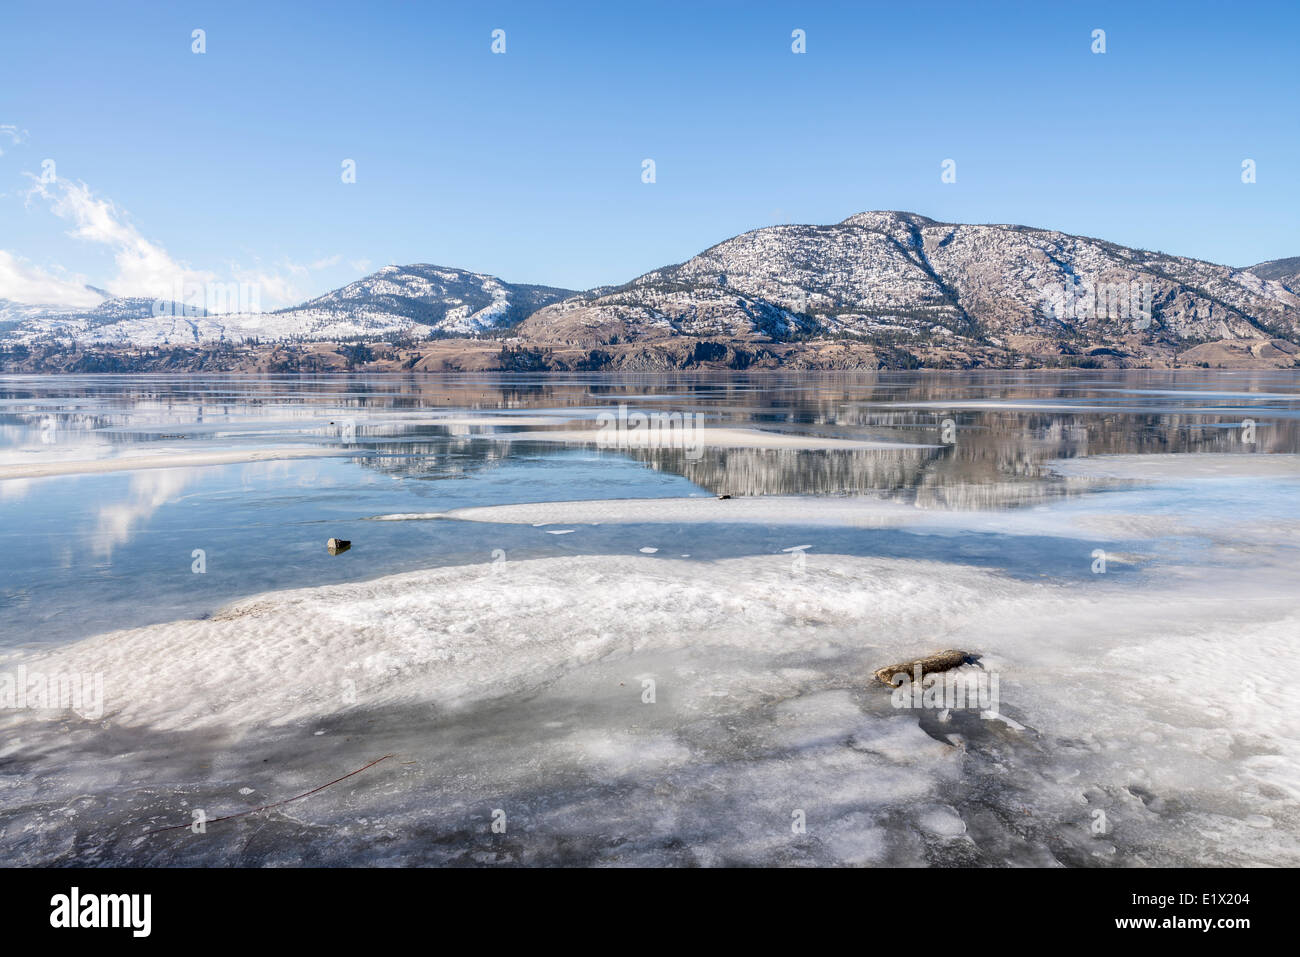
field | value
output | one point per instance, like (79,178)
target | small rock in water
(940,661)
(337,545)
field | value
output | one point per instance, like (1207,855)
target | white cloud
(13,134)
(274,289)
(144,268)
(281,285)
(24,282)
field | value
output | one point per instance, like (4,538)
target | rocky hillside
(1285,271)
(880,289)
(905,279)
(422,298)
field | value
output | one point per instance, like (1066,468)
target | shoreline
(661,355)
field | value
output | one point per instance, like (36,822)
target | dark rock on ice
(939,661)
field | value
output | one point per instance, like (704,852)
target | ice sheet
(159,460)
(1207,465)
(523,685)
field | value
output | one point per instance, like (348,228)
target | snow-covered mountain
(13,314)
(418,301)
(895,280)
(900,276)
(29,323)
(444,300)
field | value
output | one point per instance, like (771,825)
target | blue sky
(528,165)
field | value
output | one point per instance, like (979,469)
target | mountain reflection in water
(1005,425)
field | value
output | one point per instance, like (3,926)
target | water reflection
(1005,424)
(150,490)
(86,553)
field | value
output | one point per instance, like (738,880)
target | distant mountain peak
(902,279)
(887,219)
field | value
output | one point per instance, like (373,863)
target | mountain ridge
(896,286)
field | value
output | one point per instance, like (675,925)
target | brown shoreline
(674,354)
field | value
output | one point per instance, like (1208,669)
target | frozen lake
(578,640)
